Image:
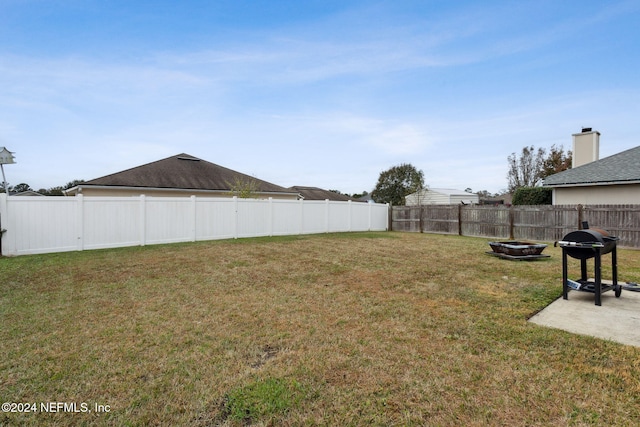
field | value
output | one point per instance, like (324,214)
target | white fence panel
(339,216)
(286,217)
(215,218)
(169,220)
(55,224)
(360,218)
(314,216)
(379,217)
(110,222)
(43,227)
(253,218)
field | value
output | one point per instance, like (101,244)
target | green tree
(358,195)
(396,183)
(244,188)
(556,161)
(532,196)
(21,187)
(58,190)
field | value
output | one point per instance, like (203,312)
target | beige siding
(431,197)
(601,194)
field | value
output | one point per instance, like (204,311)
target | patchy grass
(345,329)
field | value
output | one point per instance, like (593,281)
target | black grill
(583,245)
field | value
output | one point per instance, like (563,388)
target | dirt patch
(267,353)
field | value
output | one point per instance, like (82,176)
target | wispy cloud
(373,81)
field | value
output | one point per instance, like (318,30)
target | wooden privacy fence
(55,224)
(541,222)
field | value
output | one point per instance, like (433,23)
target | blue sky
(319,93)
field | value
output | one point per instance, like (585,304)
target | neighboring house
(366,198)
(315,193)
(441,196)
(26,193)
(180,175)
(612,180)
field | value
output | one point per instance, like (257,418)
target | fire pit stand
(583,251)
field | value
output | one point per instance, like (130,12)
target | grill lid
(582,244)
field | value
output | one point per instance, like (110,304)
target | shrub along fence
(55,224)
(540,222)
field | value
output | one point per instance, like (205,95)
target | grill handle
(581,244)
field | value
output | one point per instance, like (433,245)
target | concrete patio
(618,319)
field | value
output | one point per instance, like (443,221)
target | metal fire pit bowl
(517,250)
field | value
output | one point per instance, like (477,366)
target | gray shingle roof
(315,193)
(620,168)
(182,171)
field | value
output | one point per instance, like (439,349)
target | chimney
(586,147)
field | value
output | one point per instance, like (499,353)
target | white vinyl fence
(36,225)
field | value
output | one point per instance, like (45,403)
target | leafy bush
(532,196)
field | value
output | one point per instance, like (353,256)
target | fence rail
(56,224)
(540,222)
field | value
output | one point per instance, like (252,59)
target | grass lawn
(341,329)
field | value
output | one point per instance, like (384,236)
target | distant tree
(73,183)
(396,183)
(525,170)
(20,188)
(528,169)
(556,161)
(53,191)
(244,188)
(358,195)
(58,190)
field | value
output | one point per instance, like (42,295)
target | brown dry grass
(347,329)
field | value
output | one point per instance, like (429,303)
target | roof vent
(193,159)
(586,130)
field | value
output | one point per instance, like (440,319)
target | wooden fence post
(511,223)
(580,216)
(460,220)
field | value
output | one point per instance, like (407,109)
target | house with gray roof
(315,193)
(611,180)
(181,175)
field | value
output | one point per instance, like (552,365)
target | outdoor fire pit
(583,245)
(517,250)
